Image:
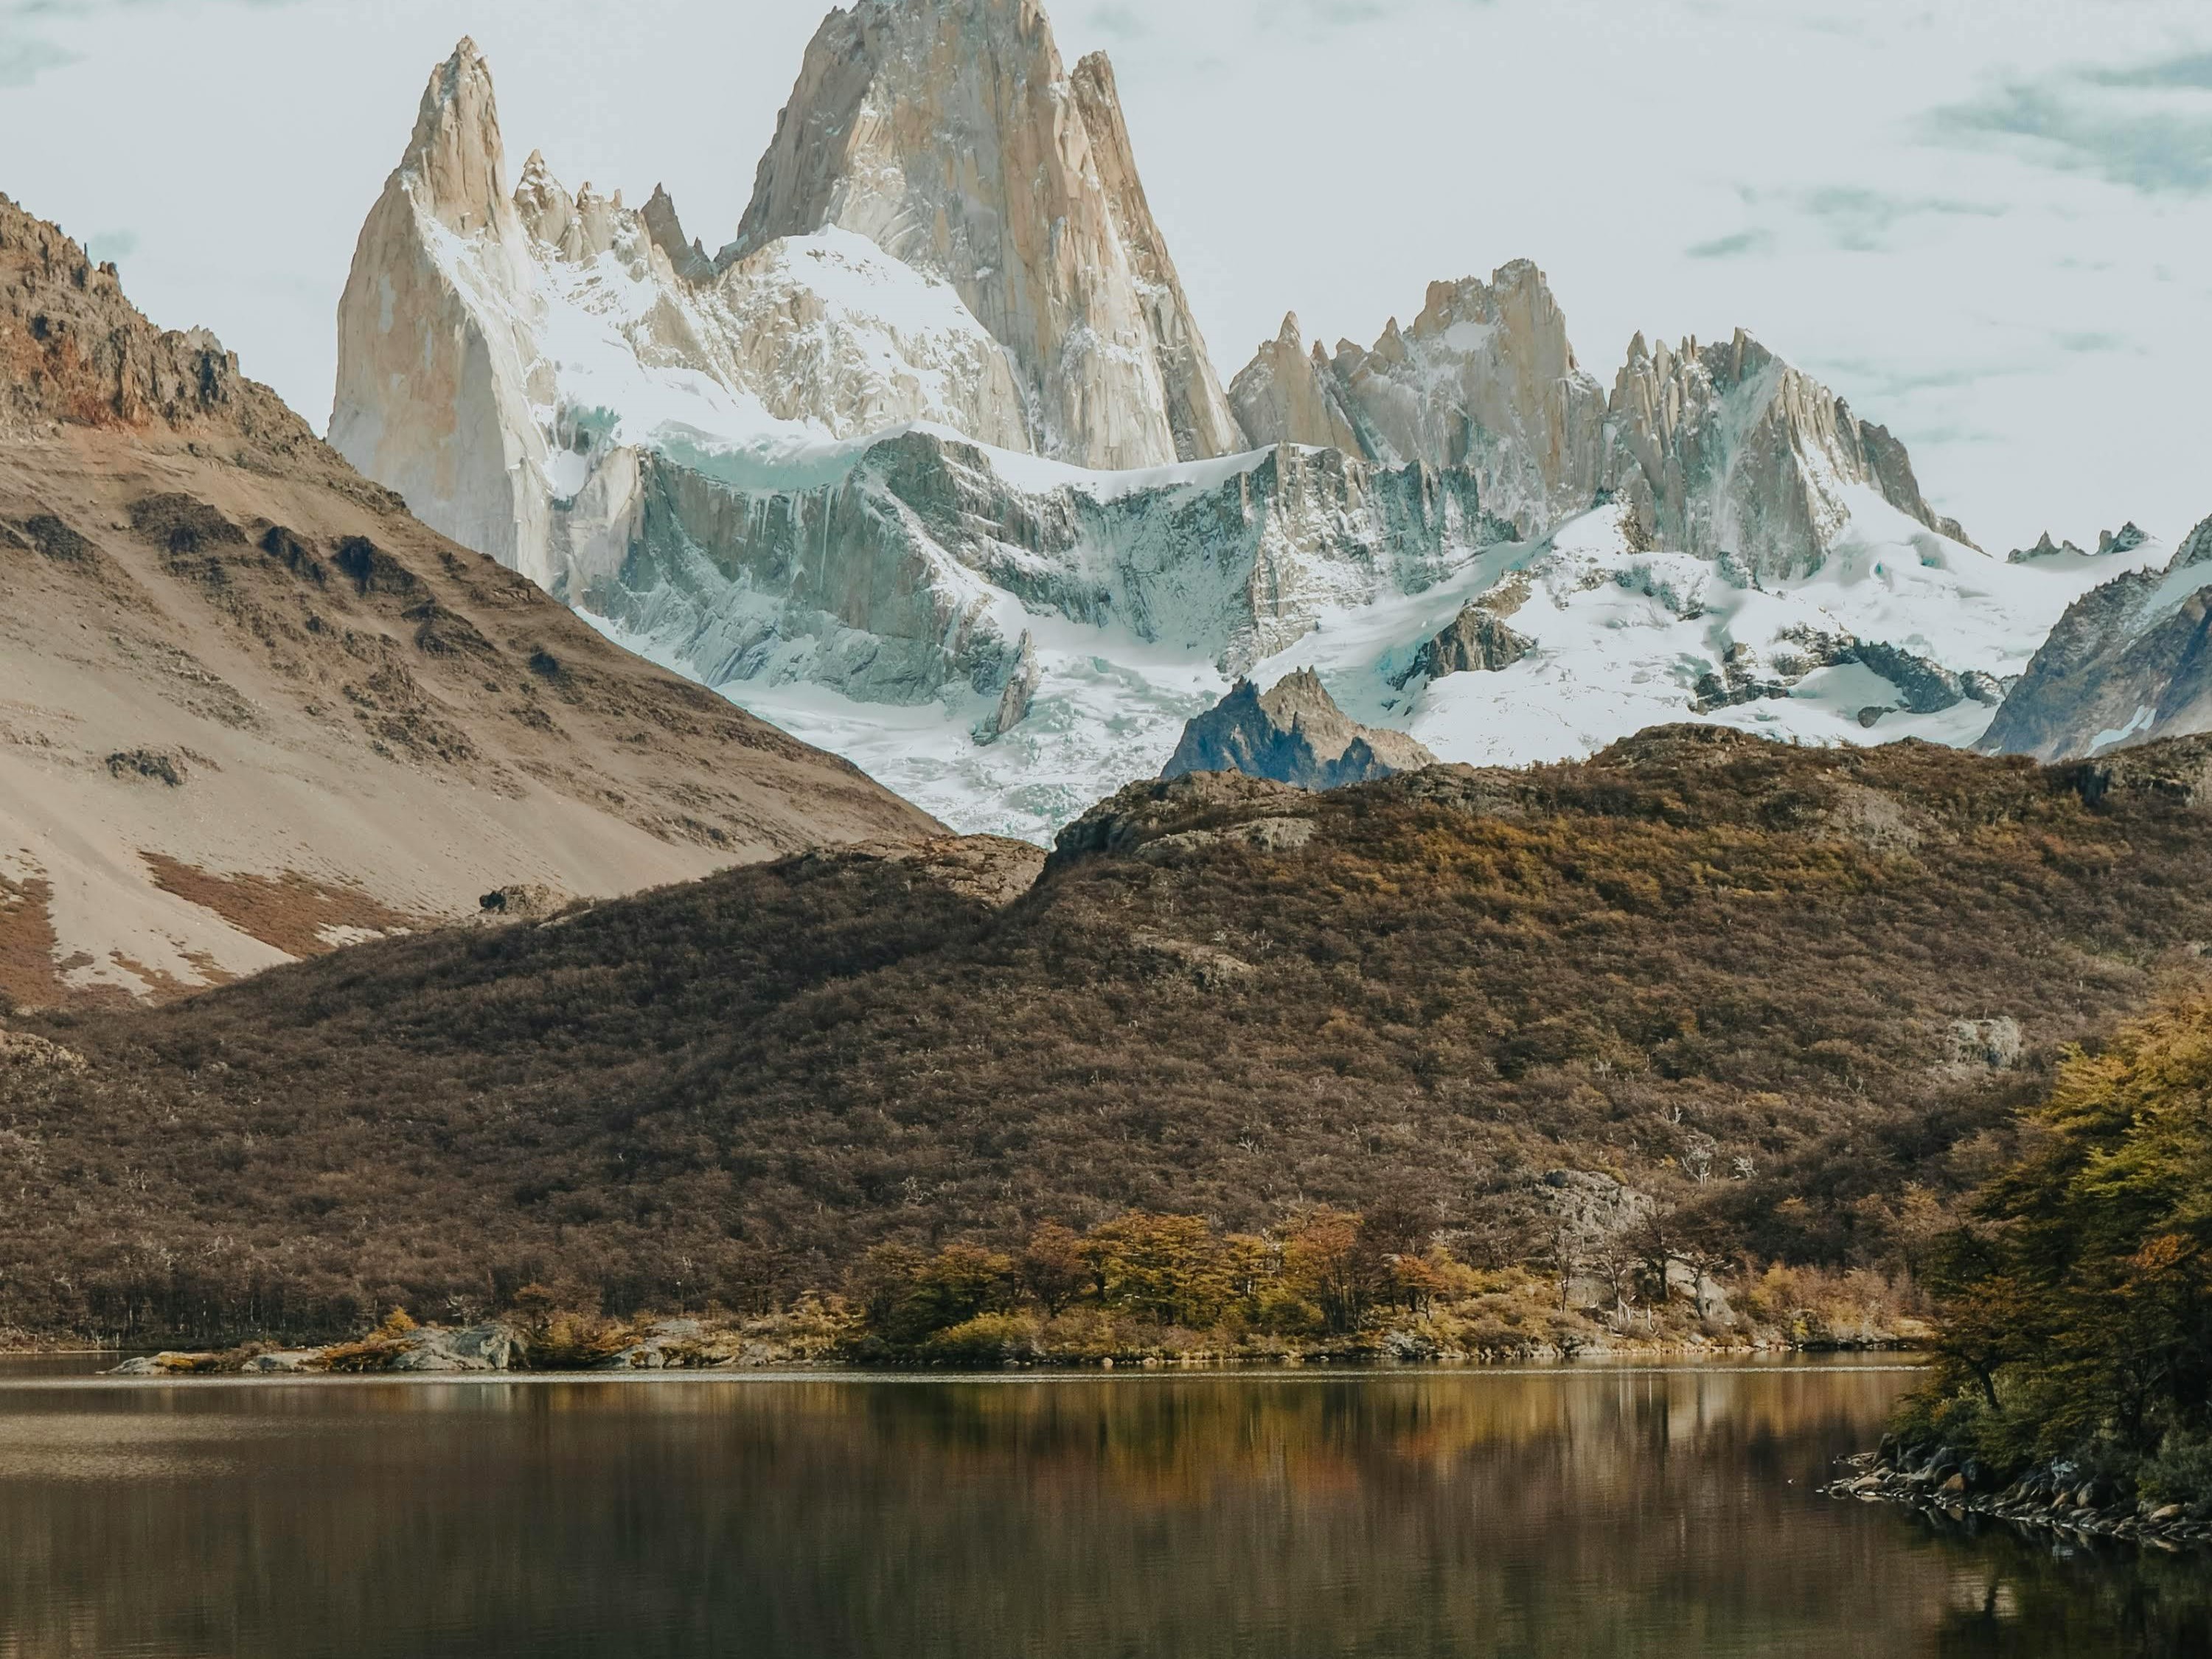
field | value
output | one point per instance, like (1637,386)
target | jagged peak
(2196,547)
(81,353)
(454,156)
(664,228)
(2127,537)
(1294,733)
(1098,69)
(2044,548)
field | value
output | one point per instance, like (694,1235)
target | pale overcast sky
(1986,222)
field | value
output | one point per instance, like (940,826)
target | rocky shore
(2057,1498)
(662,1345)
(813,1336)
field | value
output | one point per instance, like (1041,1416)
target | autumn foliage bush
(2076,1304)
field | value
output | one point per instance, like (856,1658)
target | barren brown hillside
(250,708)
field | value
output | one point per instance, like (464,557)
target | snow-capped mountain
(950,135)
(2129,661)
(929,464)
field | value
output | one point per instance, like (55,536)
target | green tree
(906,1297)
(2076,1308)
(1169,1268)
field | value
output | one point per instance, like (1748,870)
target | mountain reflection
(1493,1512)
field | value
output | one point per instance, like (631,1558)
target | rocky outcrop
(2127,537)
(2129,662)
(1726,451)
(1485,379)
(2059,1498)
(1141,813)
(1019,691)
(74,350)
(952,135)
(1293,735)
(1477,641)
(1923,686)
(426,1349)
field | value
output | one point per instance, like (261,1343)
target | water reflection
(1491,1513)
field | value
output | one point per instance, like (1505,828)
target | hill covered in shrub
(1780,1004)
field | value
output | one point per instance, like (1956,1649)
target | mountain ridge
(814,477)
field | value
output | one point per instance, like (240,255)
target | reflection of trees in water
(2015,1593)
(1488,1512)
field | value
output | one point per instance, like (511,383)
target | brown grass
(290,912)
(30,974)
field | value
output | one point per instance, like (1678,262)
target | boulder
(492,1348)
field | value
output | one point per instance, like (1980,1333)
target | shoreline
(1039,1376)
(2169,1527)
(505,1351)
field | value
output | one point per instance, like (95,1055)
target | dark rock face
(1476,640)
(1926,687)
(2127,662)
(2126,539)
(1294,734)
(1923,686)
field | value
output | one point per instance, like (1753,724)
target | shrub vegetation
(1705,998)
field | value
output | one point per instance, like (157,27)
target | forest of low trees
(1785,1005)
(1327,1281)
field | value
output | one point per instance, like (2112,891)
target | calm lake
(1593,1511)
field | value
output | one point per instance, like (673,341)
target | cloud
(1873,383)
(2073,123)
(1844,216)
(1936,437)
(1743,243)
(2193,73)
(2066,341)
(1863,220)
(25,54)
(1336,12)
(23,60)
(1119,21)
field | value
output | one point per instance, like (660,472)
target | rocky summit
(951,136)
(1293,735)
(929,462)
